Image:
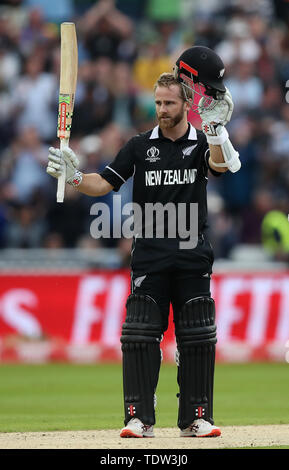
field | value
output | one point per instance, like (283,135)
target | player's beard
(170,122)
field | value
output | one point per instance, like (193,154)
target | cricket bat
(67,87)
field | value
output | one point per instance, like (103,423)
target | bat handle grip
(62,179)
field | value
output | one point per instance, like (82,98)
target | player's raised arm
(223,156)
(91,184)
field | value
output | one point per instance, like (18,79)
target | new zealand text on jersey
(180,176)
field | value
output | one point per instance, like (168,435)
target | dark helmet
(201,65)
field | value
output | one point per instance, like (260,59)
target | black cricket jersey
(166,171)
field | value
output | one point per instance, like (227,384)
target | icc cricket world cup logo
(153,154)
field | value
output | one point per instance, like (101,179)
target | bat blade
(67,87)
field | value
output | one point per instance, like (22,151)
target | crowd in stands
(124,46)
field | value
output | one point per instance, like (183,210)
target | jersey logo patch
(188,150)
(153,154)
(139,280)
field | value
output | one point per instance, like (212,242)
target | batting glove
(219,111)
(215,116)
(57,159)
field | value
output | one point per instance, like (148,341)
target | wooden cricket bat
(67,87)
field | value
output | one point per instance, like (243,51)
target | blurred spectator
(107,32)
(152,60)
(95,108)
(10,68)
(280,135)
(245,86)
(282,59)
(26,227)
(53,10)
(236,189)
(277,162)
(67,221)
(223,229)
(14,14)
(275,235)
(10,64)
(272,100)
(90,149)
(124,96)
(36,32)
(113,138)
(34,96)
(206,30)
(238,44)
(252,216)
(23,166)
(224,234)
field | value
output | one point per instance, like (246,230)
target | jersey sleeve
(121,168)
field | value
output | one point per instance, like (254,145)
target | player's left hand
(219,111)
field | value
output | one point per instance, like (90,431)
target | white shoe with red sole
(135,428)
(201,428)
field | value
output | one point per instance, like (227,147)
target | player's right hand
(58,158)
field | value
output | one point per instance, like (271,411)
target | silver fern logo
(221,73)
(188,150)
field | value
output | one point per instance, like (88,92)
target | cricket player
(170,164)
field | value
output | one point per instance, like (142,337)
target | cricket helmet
(200,70)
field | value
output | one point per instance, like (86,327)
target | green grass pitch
(84,397)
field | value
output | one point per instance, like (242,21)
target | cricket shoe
(201,428)
(135,428)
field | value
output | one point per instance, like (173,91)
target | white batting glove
(215,116)
(57,159)
(219,111)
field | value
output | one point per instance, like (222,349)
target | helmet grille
(194,92)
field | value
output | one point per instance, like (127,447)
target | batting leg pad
(196,342)
(141,357)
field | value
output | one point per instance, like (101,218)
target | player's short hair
(167,79)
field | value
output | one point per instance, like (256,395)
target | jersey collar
(192,133)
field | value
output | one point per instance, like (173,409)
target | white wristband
(219,139)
